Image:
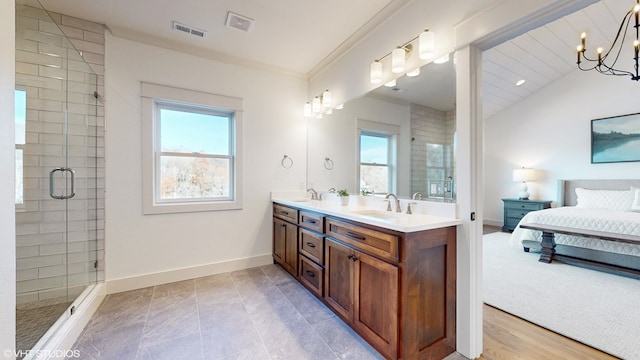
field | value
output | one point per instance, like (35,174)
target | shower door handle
(52,184)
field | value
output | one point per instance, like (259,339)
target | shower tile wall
(42,60)
(432,126)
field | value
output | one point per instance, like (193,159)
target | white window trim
(154,92)
(392,131)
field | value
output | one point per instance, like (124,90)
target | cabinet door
(376,303)
(285,245)
(279,234)
(338,281)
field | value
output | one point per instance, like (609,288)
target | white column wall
(7,182)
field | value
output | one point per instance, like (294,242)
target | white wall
(550,131)
(336,136)
(273,126)
(7,180)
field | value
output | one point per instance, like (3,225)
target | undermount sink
(378,214)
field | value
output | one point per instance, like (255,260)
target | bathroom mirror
(419,111)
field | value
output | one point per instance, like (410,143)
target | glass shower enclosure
(59,176)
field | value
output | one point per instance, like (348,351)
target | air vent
(189,30)
(239,22)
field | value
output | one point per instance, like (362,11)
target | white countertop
(371,215)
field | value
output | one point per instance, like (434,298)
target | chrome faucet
(397,202)
(314,194)
(417,196)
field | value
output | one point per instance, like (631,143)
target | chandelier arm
(625,23)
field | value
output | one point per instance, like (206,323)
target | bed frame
(621,264)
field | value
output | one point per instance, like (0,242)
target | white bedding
(621,222)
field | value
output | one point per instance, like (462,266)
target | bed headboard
(567,188)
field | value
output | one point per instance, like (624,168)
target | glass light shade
(524,174)
(376,72)
(391,83)
(339,107)
(426,45)
(397,60)
(441,60)
(414,72)
(326,99)
(316,105)
(307,109)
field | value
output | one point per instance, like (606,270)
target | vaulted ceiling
(281,32)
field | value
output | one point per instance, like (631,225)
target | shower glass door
(57,175)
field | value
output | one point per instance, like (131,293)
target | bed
(611,206)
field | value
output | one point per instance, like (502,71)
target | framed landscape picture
(615,139)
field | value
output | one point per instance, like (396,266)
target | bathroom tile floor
(257,313)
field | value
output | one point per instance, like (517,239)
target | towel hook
(286,162)
(328,163)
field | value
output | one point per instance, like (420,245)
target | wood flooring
(510,337)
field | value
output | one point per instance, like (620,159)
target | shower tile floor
(257,313)
(33,322)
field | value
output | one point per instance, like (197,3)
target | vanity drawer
(285,213)
(311,275)
(523,205)
(311,244)
(517,213)
(311,221)
(373,242)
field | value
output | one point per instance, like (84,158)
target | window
(191,149)
(375,163)
(20,137)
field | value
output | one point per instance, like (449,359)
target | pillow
(616,200)
(635,199)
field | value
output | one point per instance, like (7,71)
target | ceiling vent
(188,29)
(239,22)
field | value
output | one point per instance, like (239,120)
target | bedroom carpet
(595,308)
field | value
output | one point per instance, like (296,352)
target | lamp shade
(524,174)
(326,99)
(376,72)
(427,45)
(397,60)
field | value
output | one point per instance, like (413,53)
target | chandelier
(606,61)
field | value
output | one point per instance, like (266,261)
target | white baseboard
(490,222)
(165,277)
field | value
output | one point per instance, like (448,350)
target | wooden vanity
(396,289)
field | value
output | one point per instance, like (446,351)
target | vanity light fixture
(600,64)
(426,49)
(318,105)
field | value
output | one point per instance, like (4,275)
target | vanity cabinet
(396,289)
(285,238)
(363,290)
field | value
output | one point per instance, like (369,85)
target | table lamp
(524,175)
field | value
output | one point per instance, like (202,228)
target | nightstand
(515,210)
